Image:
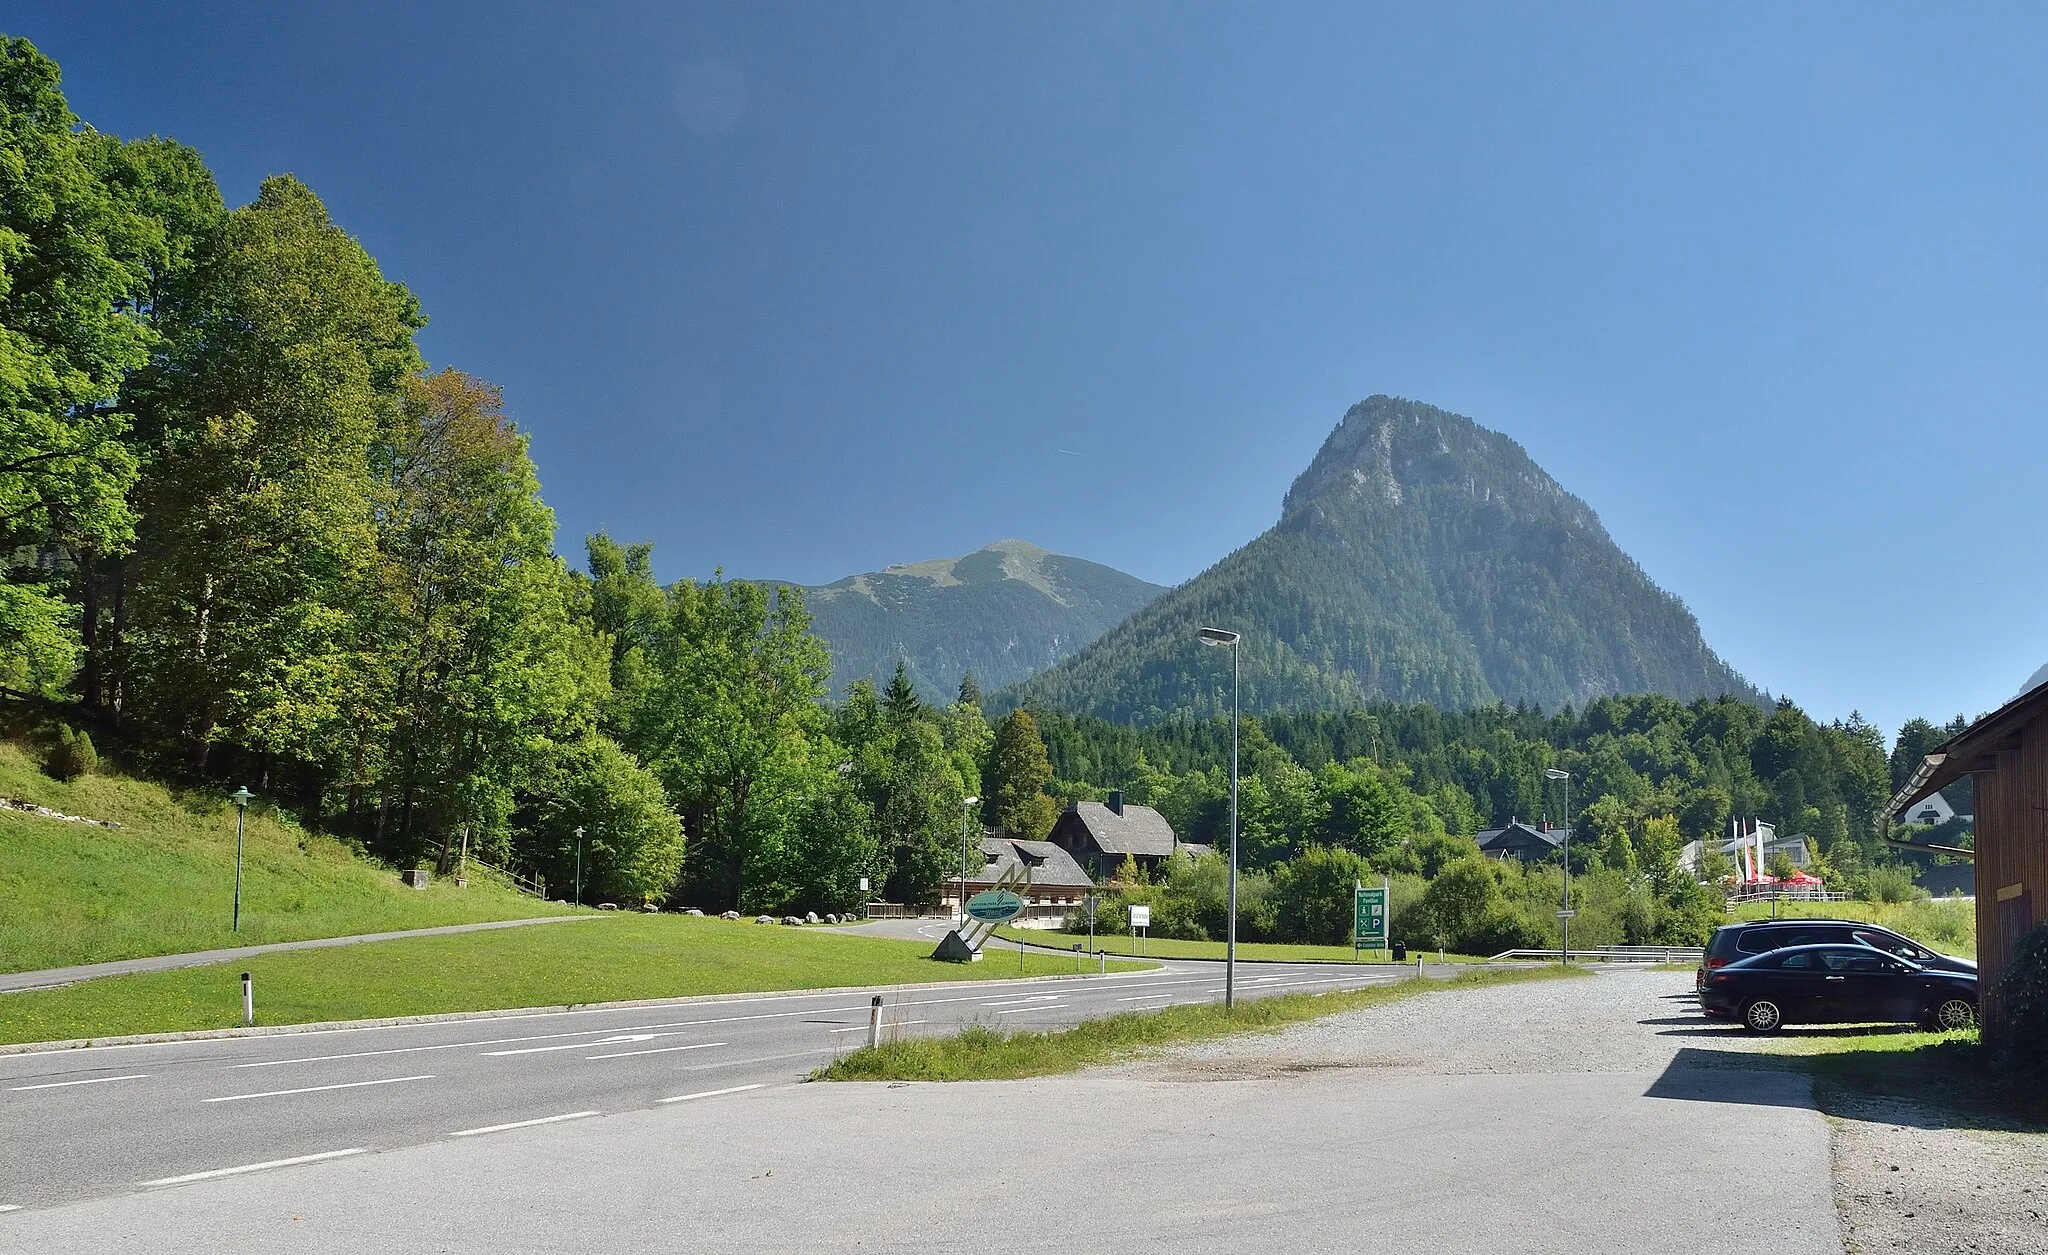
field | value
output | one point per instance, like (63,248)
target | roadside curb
(507,1013)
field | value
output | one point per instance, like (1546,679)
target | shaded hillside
(1420,557)
(1004,612)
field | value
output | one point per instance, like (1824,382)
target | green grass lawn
(164,882)
(605,958)
(979,1053)
(1162,948)
(1948,925)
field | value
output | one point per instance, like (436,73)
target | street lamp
(967,805)
(240,797)
(579,865)
(1219,637)
(1564,915)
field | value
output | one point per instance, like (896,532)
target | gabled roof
(1517,833)
(1048,864)
(1197,849)
(1970,749)
(1140,830)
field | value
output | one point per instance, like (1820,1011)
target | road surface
(91,1122)
(1552,1118)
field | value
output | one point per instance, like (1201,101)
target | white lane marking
(97,1080)
(1147,997)
(522,1124)
(1050,1006)
(1012,1002)
(621,1039)
(862,1028)
(658,1050)
(258,1167)
(315,1089)
(712,1093)
(502,1041)
(10,1206)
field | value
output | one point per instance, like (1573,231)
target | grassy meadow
(163,883)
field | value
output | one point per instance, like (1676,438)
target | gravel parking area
(1906,1177)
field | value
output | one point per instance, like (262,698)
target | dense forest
(251,536)
(1420,557)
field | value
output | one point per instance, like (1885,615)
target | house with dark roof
(1100,835)
(1521,841)
(1057,882)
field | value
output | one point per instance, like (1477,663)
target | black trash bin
(1400,953)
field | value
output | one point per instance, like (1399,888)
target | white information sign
(1141,917)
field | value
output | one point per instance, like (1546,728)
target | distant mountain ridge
(1004,612)
(1419,557)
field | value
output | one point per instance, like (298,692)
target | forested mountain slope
(1003,612)
(1420,557)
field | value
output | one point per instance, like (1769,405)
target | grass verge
(980,1053)
(163,883)
(606,958)
(1163,948)
(1945,924)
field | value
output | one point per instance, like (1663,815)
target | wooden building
(2006,752)
(1100,835)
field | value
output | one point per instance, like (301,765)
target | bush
(1315,894)
(71,755)
(2022,1031)
(1889,883)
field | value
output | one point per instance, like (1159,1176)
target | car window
(1893,945)
(1796,961)
(1867,963)
(1762,940)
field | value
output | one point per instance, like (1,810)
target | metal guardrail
(1612,954)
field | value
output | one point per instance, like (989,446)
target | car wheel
(1954,1015)
(1763,1016)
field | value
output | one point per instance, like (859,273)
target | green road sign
(1371,921)
(995,906)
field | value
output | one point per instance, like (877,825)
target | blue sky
(803,290)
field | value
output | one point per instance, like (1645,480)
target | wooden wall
(2012,855)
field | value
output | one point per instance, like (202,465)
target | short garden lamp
(240,797)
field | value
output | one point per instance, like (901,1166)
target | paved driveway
(1534,1118)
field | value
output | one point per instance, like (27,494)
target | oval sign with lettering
(995,906)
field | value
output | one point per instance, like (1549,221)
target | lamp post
(240,797)
(967,805)
(1219,637)
(579,865)
(1564,917)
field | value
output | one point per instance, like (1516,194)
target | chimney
(1116,802)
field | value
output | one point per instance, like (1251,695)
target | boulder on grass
(792,921)
(694,911)
(831,918)
(764,919)
(811,917)
(731,915)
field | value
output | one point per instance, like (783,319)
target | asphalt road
(111,1120)
(1532,1119)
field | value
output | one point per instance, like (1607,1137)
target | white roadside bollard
(875,1022)
(1418,966)
(248,1000)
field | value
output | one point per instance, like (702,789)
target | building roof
(1140,830)
(1966,751)
(1049,865)
(1517,832)
(1197,849)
